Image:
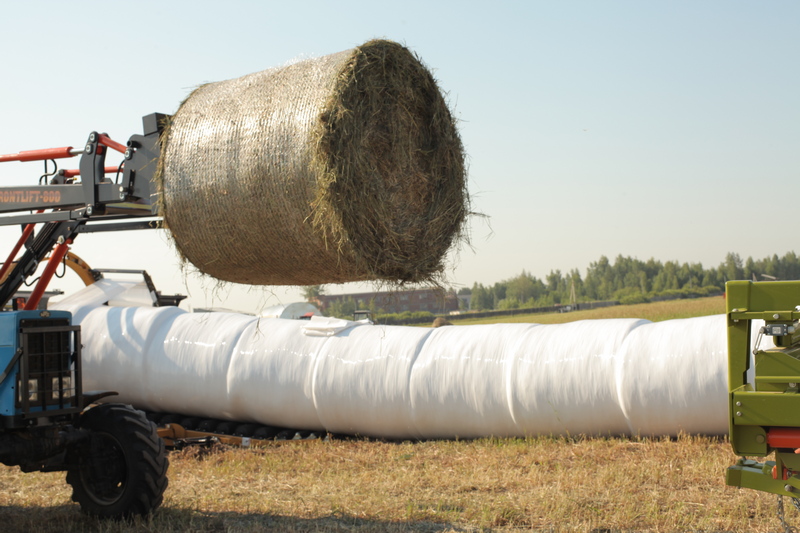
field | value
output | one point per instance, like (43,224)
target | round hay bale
(346,167)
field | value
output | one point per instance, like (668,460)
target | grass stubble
(655,312)
(496,484)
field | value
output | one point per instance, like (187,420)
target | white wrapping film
(320,326)
(270,378)
(191,358)
(139,295)
(90,297)
(564,378)
(461,374)
(673,377)
(361,381)
(602,377)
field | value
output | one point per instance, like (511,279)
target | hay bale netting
(346,167)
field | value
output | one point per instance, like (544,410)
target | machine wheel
(121,469)
(170,419)
(226,428)
(190,422)
(208,425)
(245,430)
(265,433)
(286,434)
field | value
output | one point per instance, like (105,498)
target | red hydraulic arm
(62,152)
(41,155)
(106,141)
(66,207)
(44,280)
(26,233)
(71,173)
(784,437)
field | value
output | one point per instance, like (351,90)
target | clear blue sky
(649,129)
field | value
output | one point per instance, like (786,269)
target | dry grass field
(542,484)
(657,311)
(599,485)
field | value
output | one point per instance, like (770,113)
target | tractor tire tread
(145,457)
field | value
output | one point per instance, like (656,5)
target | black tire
(225,428)
(245,430)
(286,434)
(190,422)
(121,469)
(207,425)
(170,419)
(265,433)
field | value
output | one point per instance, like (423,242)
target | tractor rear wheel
(121,469)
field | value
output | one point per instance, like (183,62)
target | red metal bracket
(784,473)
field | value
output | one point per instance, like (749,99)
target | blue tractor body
(40,362)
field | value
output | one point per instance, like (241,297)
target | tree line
(628,280)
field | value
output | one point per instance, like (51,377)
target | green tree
(481,299)
(342,308)
(521,288)
(499,292)
(629,279)
(575,286)
(311,292)
(731,269)
(751,270)
(508,303)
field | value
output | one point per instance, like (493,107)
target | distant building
(435,301)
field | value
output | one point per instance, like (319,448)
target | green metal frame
(771,400)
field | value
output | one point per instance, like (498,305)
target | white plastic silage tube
(600,377)
(361,381)
(673,377)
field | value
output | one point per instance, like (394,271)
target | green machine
(763,378)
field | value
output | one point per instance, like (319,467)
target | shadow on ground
(68,518)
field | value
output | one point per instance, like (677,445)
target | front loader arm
(66,207)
